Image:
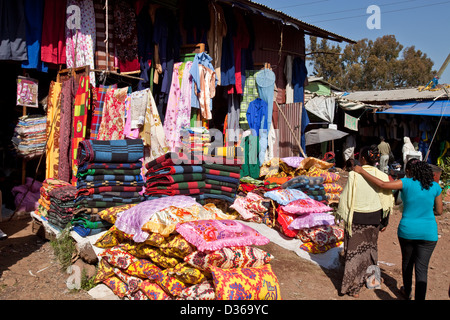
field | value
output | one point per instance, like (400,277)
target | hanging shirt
(257,115)
(205,60)
(53,47)
(13,45)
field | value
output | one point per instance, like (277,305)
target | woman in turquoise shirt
(417,231)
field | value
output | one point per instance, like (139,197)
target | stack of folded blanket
(109,173)
(44,200)
(30,136)
(193,140)
(62,206)
(174,174)
(312,186)
(221,180)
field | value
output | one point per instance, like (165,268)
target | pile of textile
(221,180)
(174,248)
(30,136)
(194,140)
(62,206)
(291,196)
(174,174)
(109,173)
(44,200)
(26,196)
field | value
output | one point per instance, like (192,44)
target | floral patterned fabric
(117,257)
(201,291)
(308,205)
(216,234)
(132,282)
(310,220)
(249,206)
(144,269)
(80,43)
(117,286)
(285,196)
(104,271)
(170,284)
(187,274)
(110,214)
(153,291)
(312,247)
(113,117)
(227,258)
(258,283)
(176,246)
(323,235)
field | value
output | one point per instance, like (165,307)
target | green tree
(370,65)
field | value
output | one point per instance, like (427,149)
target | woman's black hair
(371,154)
(420,171)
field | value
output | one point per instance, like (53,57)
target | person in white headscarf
(408,147)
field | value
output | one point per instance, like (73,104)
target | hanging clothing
(299,76)
(196,20)
(53,47)
(250,94)
(80,43)
(257,116)
(13,45)
(232,127)
(227,68)
(145,45)
(201,72)
(68,91)
(288,75)
(265,81)
(217,31)
(101,60)
(125,32)
(152,133)
(98,98)
(113,117)
(80,115)
(138,105)
(241,40)
(34,12)
(178,113)
(128,132)
(53,128)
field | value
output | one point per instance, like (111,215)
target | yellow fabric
(358,195)
(53,123)
(259,283)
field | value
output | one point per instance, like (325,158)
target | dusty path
(28,270)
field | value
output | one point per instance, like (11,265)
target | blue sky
(423,24)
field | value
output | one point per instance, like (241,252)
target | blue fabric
(34,12)
(200,59)
(222,178)
(418,221)
(299,74)
(257,116)
(265,81)
(227,70)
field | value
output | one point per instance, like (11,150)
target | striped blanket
(116,151)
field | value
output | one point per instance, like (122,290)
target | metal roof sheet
(286,19)
(395,95)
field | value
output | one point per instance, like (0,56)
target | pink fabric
(132,220)
(113,118)
(307,205)
(311,220)
(178,114)
(127,131)
(211,235)
(249,206)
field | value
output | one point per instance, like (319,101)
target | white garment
(288,74)
(407,148)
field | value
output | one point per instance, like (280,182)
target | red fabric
(285,219)
(53,43)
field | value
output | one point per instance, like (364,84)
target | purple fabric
(132,220)
(293,161)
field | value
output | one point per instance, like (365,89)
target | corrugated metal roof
(395,95)
(286,19)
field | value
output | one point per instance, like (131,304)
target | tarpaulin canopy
(322,106)
(420,108)
(323,134)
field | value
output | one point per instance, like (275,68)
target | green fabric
(92,172)
(250,93)
(222,167)
(221,183)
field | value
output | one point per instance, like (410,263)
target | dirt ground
(28,270)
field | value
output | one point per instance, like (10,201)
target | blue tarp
(420,108)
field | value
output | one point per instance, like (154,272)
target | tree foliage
(370,65)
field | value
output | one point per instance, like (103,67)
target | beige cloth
(358,195)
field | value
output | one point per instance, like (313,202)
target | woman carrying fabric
(417,231)
(362,207)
